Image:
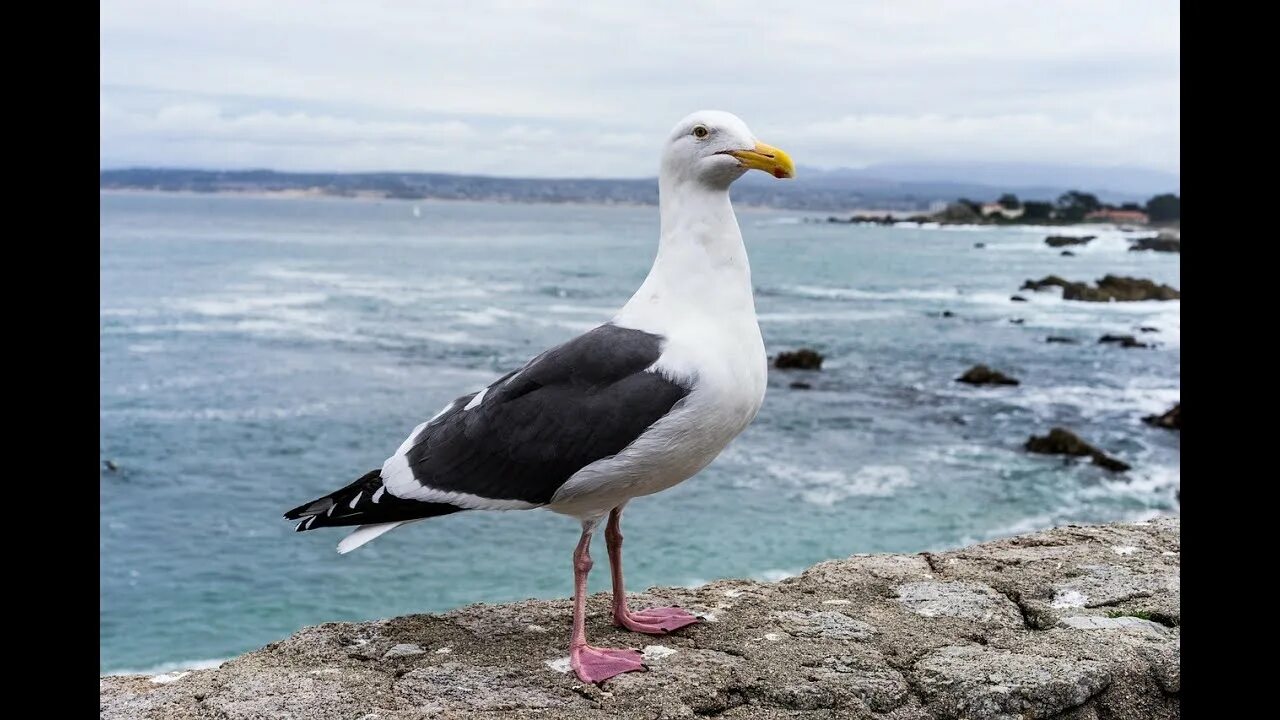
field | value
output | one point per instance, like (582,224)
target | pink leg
(655,621)
(593,664)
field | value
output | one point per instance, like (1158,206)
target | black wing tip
(335,509)
(325,502)
(311,509)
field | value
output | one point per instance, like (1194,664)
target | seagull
(627,409)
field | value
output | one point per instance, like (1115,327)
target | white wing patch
(365,533)
(398,479)
(477,399)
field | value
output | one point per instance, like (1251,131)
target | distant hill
(812,190)
(1138,181)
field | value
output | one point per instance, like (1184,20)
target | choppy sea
(258,352)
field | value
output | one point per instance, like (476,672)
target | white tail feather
(365,533)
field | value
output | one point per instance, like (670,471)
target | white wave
(391,291)
(146,347)
(1055,518)
(1106,240)
(774,574)
(170,667)
(239,304)
(1051,297)
(311,328)
(486,316)
(224,414)
(827,487)
(839,293)
(1142,483)
(844,315)
(1022,526)
(127,312)
(1136,398)
(448,337)
(603,312)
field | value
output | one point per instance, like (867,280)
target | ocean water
(256,353)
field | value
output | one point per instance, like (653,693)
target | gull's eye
(700,131)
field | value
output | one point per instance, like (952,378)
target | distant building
(1136,217)
(989,209)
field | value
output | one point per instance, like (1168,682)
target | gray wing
(533,429)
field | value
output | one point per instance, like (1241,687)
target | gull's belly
(728,392)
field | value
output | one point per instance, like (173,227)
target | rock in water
(983,375)
(1067,253)
(1061,339)
(1107,462)
(802,359)
(797,385)
(1111,287)
(1061,240)
(1124,341)
(1172,419)
(1159,243)
(1018,298)
(1060,441)
(1045,282)
(1122,289)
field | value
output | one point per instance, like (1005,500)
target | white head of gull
(627,409)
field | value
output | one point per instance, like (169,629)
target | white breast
(726,365)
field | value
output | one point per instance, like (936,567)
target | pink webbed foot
(656,621)
(593,664)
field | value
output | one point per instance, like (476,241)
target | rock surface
(802,359)
(1061,441)
(983,375)
(1075,622)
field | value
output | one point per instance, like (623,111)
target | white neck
(701,268)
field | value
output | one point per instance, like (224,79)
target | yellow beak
(767,158)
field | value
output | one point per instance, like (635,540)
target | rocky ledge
(1078,623)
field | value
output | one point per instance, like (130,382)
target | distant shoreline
(813,217)
(292,194)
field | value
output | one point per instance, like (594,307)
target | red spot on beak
(777,172)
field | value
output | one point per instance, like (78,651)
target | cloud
(1110,140)
(492,85)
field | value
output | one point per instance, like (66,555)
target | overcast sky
(551,88)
